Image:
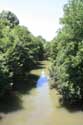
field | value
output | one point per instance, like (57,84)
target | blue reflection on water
(42,80)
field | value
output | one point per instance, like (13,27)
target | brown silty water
(41,107)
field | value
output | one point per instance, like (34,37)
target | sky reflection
(42,80)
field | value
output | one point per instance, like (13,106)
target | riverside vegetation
(21,51)
(66,70)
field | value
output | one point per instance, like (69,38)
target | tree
(19,51)
(68,61)
(10,17)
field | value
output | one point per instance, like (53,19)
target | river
(41,107)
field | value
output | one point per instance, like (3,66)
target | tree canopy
(67,53)
(20,51)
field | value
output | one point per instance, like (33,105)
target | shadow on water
(75,107)
(24,86)
(10,102)
(39,65)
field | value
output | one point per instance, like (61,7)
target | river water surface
(41,107)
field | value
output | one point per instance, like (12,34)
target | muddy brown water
(41,107)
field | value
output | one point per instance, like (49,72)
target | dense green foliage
(67,54)
(47,50)
(10,17)
(19,51)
